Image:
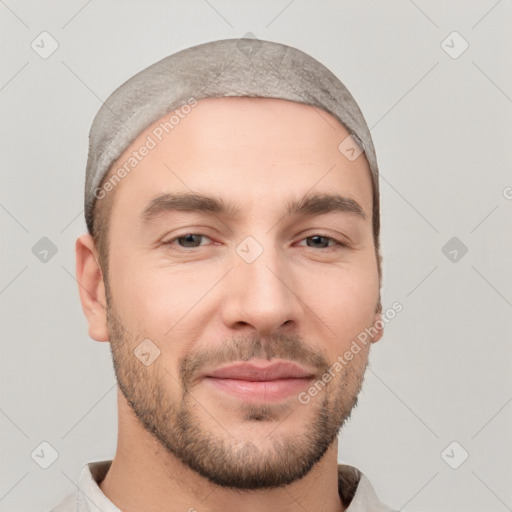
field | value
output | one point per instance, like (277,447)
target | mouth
(260,381)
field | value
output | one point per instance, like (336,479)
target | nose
(261,294)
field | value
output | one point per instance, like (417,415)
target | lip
(258,372)
(262,381)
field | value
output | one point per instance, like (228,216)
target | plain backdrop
(434,81)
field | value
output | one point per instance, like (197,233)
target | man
(232,262)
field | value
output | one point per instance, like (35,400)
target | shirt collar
(355,490)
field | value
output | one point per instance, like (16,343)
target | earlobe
(378,324)
(91,287)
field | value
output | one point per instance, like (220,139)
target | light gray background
(442,129)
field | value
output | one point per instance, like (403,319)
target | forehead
(247,147)
(222,123)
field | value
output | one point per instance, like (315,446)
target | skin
(203,304)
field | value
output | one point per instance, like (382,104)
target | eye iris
(317,239)
(190,238)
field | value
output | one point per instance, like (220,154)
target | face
(241,268)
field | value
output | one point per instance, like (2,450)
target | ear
(378,324)
(91,287)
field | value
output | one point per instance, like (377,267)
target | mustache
(281,346)
(242,348)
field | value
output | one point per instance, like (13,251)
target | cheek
(346,303)
(156,301)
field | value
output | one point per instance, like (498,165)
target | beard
(187,431)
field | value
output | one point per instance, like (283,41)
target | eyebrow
(309,205)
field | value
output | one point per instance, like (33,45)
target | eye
(193,240)
(189,240)
(322,242)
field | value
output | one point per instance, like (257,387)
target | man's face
(216,289)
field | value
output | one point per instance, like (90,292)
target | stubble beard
(214,451)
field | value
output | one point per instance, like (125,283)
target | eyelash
(336,242)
